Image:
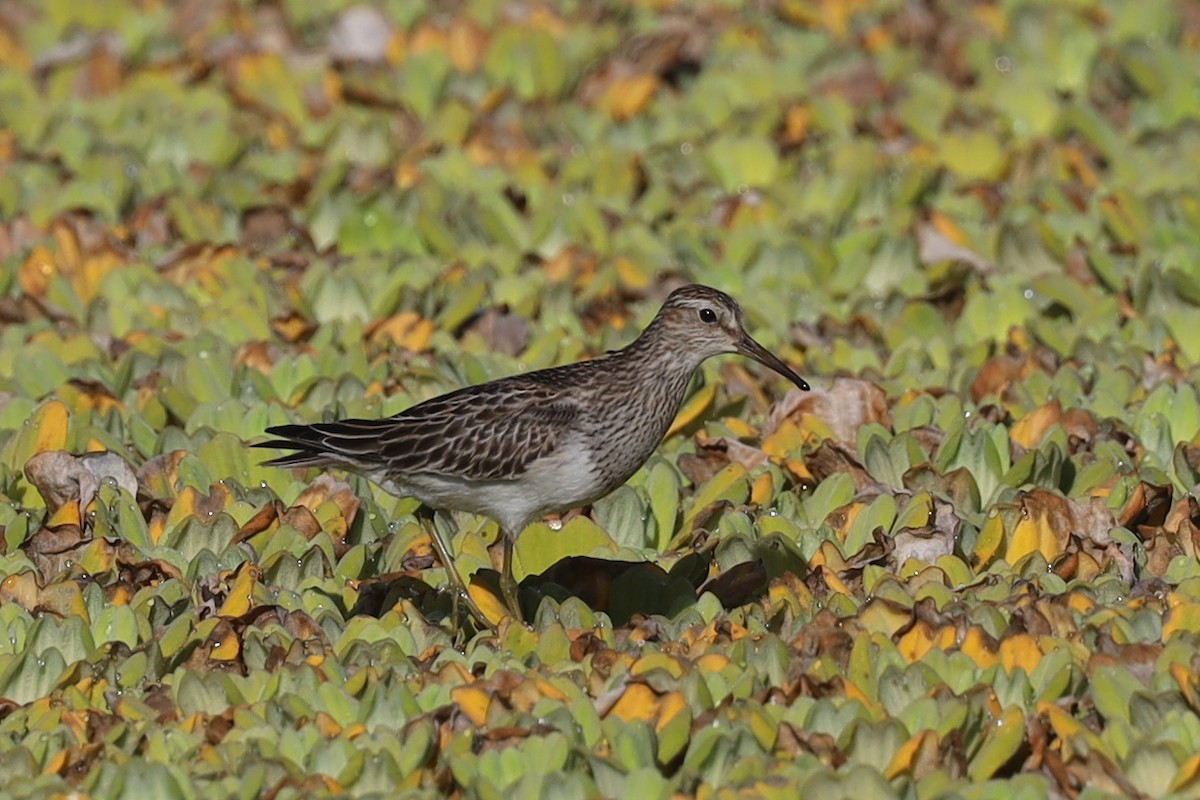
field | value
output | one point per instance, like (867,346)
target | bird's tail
(353,443)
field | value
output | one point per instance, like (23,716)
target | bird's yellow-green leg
(508,584)
(456,582)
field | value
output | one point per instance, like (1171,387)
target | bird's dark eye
(708,315)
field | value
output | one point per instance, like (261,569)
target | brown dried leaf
(738,585)
(843,408)
(832,457)
(54,550)
(1148,505)
(930,542)
(60,478)
(501,331)
(933,247)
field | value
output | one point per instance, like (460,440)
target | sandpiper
(519,448)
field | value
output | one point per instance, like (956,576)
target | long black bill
(751,348)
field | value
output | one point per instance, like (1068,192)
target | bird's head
(704,322)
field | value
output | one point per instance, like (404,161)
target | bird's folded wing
(493,431)
(487,432)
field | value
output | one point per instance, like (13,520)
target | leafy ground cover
(965,564)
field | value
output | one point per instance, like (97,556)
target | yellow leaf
(50,421)
(21,589)
(67,514)
(628,96)
(1061,722)
(915,642)
(908,754)
(977,648)
(241,591)
(326,725)
(1080,603)
(57,763)
(843,519)
(467,43)
(712,662)
(762,491)
(1187,773)
(657,661)
(834,582)
(428,39)
(796,124)
(949,228)
(670,705)
(12,54)
(1032,534)
(634,276)
(226,647)
(785,441)
(693,408)
(1029,430)
(1019,650)
(1183,678)
(881,616)
(397,47)
(491,605)
(473,702)
(988,543)
(638,702)
(853,692)
(406,330)
(1181,618)
(35,272)
(547,689)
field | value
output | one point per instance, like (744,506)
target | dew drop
(1004,64)
(686,148)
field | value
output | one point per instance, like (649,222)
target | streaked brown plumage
(518,448)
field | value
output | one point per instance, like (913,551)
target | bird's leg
(508,584)
(456,582)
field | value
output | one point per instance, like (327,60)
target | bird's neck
(653,358)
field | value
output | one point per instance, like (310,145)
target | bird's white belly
(560,481)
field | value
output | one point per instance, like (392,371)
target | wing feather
(492,431)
